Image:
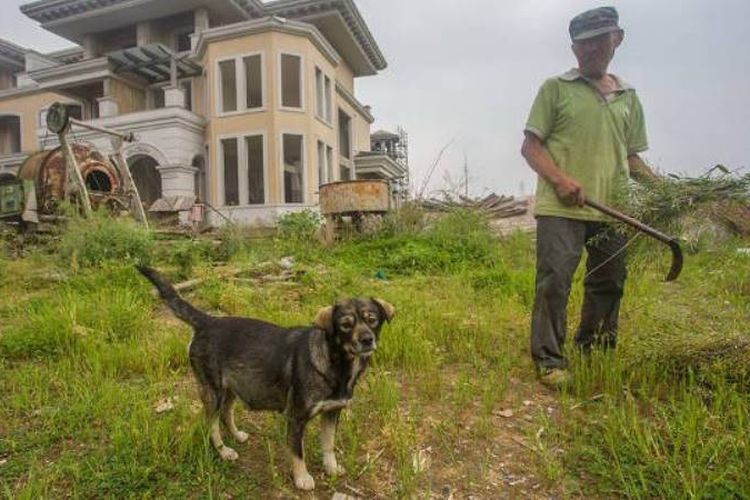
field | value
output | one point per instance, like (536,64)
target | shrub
(407,219)
(300,226)
(186,254)
(90,242)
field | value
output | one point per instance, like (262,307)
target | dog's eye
(346,323)
(372,320)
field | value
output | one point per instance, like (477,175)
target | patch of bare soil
(458,453)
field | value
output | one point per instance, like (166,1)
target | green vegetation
(87,353)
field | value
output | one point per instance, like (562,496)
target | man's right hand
(569,191)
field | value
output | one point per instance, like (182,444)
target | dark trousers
(560,243)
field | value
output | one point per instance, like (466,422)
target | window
(182,41)
(291,81)
(253,81)
(329,164)
(346,173)
(325,163)
(10,135)
(256,187)
(231,172)
(322,95)
(329,100)
(228,86)
(322,171)
(345,135)
(243,168)
(319,94)
(241,84)
(293,168)
(187,88)
(157,97)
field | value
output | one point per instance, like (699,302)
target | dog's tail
(181,308)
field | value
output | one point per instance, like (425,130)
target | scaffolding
(396,146)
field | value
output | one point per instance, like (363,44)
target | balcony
(378,165)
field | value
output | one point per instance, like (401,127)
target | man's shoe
(554,377)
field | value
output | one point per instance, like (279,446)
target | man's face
(595,54)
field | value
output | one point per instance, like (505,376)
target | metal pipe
(130,137)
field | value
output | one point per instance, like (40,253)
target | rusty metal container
(48,171)
(350,197)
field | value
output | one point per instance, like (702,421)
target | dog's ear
(386,309)
(324,319)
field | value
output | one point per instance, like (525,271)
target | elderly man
(584,133)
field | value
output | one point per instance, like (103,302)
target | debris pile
(494,206)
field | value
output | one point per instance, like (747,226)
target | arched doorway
(201,181)
(146,177)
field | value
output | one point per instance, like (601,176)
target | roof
(67,56)
(339,20)
(384,134)
(347,9)
(12,55)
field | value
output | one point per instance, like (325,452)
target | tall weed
(102,238)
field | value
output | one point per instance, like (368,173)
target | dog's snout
(367,340)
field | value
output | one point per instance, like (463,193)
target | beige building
(245,105)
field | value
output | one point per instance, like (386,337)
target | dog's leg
(213,404)
(295,434)
(227,416)
(226,452)
(328,423)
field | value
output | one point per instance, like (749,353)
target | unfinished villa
(246,106)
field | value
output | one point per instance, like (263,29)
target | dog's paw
(228,454)
(241,436)
(304,481)
(331,466)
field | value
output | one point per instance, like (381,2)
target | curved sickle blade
(674,245)
(676,268)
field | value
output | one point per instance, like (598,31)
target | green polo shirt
(589,137)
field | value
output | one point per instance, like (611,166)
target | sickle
(673,244)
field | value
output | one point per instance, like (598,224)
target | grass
(86,353)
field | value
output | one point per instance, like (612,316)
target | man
(584,133)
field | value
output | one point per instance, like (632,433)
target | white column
(174,97)
(90,47)
(108,106)
(202,22)
(177,180)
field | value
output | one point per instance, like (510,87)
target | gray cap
(593,23)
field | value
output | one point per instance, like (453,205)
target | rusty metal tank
(351,197)
(48,171)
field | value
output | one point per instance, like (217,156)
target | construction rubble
(494,206)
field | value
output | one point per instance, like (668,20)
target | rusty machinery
(77,173)
(352,200)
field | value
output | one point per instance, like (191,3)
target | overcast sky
(467,71)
